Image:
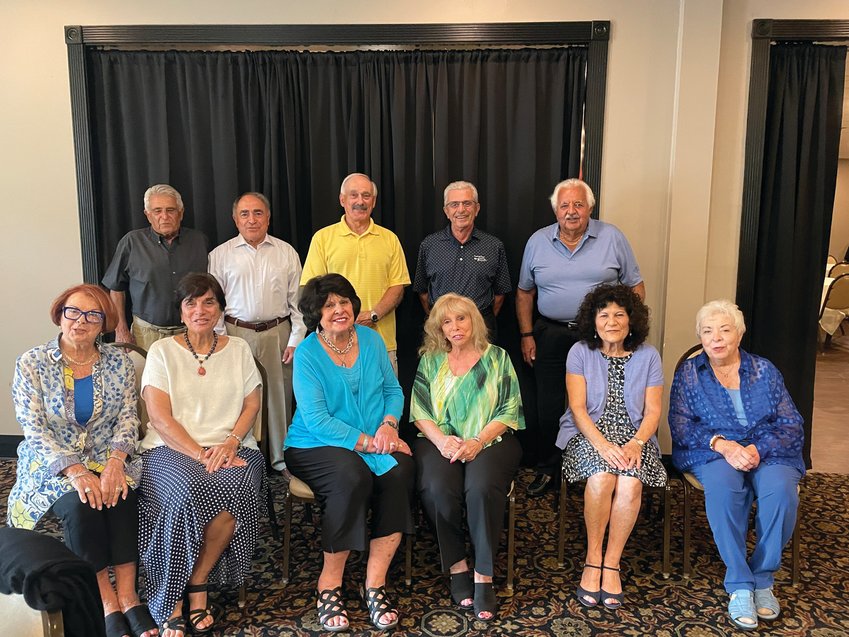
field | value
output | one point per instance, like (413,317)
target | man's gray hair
(351,176)
(572,183)
(162,189)
(252,193)
(459,185)
(724,307)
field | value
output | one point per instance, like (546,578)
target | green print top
(463,405)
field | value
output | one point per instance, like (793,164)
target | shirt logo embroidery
(479,258)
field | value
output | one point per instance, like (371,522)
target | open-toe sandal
(766,600)
(613,601)
(331,605)
(484,601)
(378,605)
(588,598)
(139,619)
(116,625)
(462,588)
(741,607)
(197,615)
(177,623)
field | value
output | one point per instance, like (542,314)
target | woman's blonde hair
(434,339)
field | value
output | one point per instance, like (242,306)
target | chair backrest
(261,426)
(831,260)
(839,269)
(694,351)
(837,296)
(139,356)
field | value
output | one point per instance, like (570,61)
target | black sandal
(462,589)
(618,598)
(484,601)
(330,605)
(116,625)
(177,622)
(197,615)
(139,620)
(378,605)
(590,599)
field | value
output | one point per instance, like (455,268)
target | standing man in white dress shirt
(260,275)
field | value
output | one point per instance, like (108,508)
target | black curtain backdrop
(797,197)
(293,124)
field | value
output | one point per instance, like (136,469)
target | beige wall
(674,127)
(840,221)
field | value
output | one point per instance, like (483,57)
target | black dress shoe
(542,482)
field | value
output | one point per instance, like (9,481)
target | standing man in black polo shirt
(462,259)
(148,263)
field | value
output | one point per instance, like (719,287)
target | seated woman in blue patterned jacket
(735,427)
(75,400)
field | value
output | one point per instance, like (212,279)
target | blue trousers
(729,494)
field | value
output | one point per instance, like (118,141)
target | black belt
(259,326)
(570,325)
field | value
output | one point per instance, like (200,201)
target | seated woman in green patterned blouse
(466,403)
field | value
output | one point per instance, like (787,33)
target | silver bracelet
(478,439)
(638,441)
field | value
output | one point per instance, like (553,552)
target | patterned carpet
(544,602)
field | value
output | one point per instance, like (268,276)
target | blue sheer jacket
(700,408)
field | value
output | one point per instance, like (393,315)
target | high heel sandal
(617,598)
(484,601)
(197,615)
(590,599)
(378,605)
(462,589)
(330,605)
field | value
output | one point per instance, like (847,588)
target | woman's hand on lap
(449,446)
(633,454)
(88,488)
(385,440)
(113,482)
(740,457)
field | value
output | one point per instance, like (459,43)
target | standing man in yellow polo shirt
(368,255)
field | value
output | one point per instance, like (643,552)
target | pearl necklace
(339,352)
(201,370)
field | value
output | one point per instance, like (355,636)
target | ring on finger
(87,490)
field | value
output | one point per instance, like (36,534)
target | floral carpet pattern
(543,600)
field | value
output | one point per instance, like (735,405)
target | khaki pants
(268,347)
(146,334)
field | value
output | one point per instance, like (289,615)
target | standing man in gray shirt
(148,263)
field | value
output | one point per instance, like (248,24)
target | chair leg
(561,536)
(408,561)
(795,540)
(243,599)
(287,536)
(687,494)
(511,539)
(667,530)
(272,513)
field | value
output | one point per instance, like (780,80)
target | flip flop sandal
(617,598)
(330,605)
(583,594)
(462,589)
(484,601)
(742,606)
(764,598)
(197,615)
(139,619)
(116,625)
(378,605)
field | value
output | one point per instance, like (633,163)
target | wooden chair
(839,269)
(18,619)
(691,484)
(664,492)
(138,356)
(836,298)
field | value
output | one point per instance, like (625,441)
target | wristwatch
(391,423)
(374,317)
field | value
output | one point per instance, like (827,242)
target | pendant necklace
(340,352)
(201,370)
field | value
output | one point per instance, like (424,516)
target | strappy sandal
(197,615)
(462,589)
(764,598)
(331,605)
(139,619)
(617,598)
(177,623)
(116,625)
(742,606)
(584,596)
(378,605)
(484,601)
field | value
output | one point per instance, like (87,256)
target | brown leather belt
(260,326)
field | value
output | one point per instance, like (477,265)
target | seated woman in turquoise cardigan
(344,444)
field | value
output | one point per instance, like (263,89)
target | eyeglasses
(453,205)
(74,313)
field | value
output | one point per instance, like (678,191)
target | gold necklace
(68,358)
(725,375)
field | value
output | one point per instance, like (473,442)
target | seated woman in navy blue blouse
(344,444)
(735,427)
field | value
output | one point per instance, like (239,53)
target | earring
(595,335)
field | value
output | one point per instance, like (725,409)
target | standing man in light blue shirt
(561,263)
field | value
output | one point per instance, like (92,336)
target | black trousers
(553,342)
(481,485)
(104,538)
(345,489)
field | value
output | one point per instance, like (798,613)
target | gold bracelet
(638,441)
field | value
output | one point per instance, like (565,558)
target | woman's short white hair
(720,306)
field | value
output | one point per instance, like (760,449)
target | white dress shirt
(260,283)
